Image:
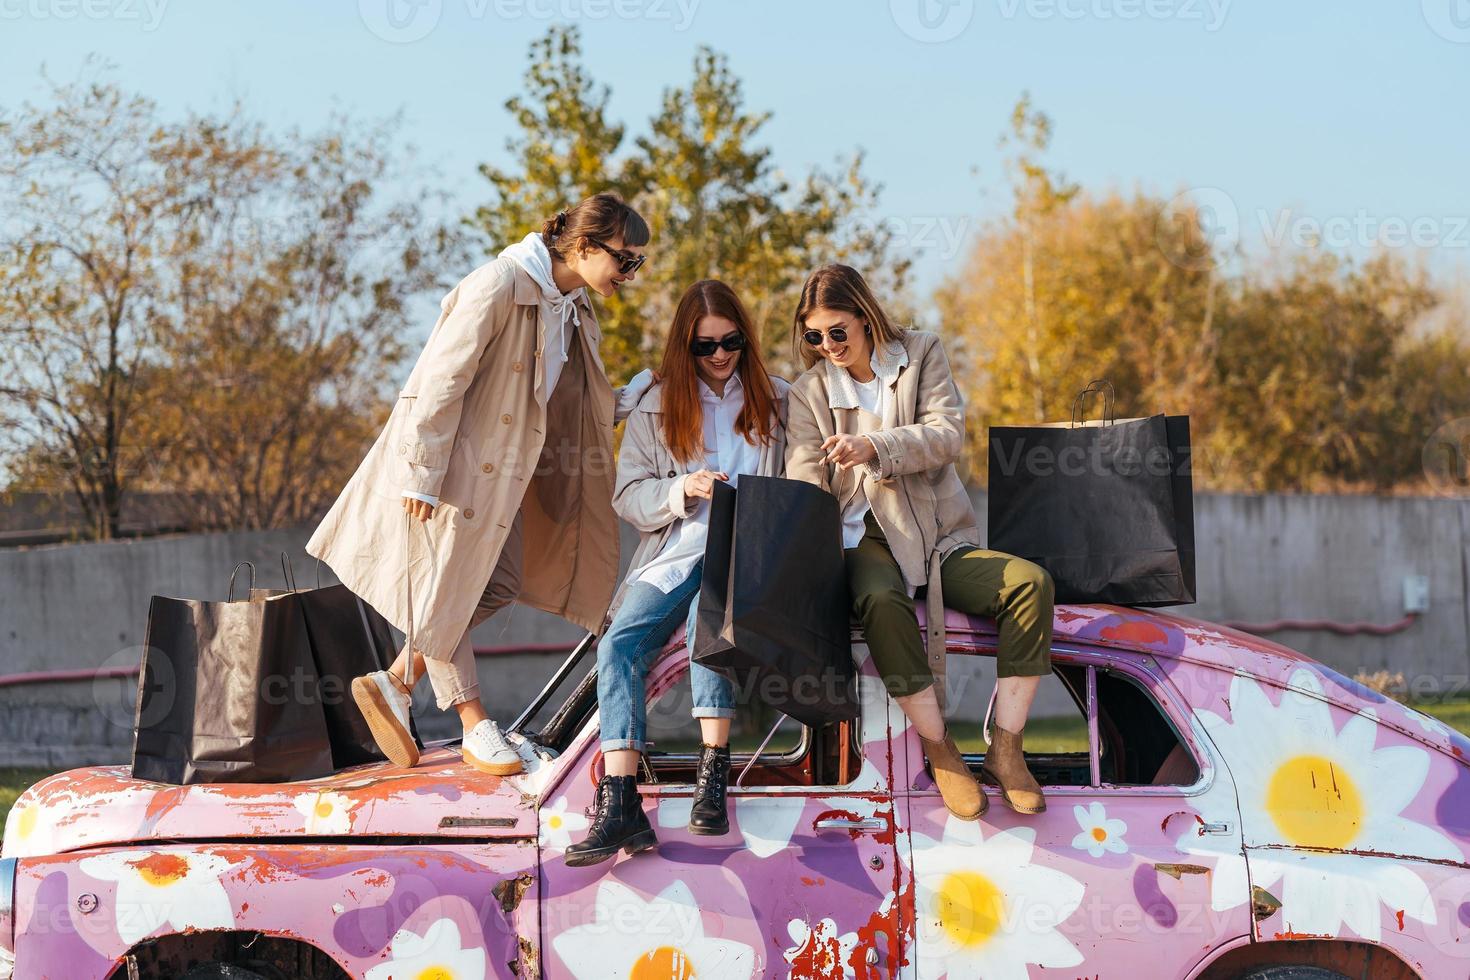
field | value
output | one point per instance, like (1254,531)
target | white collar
(733,385)
(887,361)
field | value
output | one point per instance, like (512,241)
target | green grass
(14,782)
(1454,713)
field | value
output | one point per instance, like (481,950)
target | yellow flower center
(554,822)
(161,869)
(970,908)
(25,823)
(434,973)
(324,808)
(1314,803)
(664,963)
(1099,835)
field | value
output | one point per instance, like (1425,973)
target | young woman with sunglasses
(499,450)
(878,421)
(715,415)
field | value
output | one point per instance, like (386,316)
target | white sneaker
(386,707)
(486,749)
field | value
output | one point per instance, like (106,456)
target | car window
(794,754)
(1137,745)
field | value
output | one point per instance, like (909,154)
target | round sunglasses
(704,347)
(628,263)
(815,337)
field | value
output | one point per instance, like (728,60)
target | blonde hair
(840,287)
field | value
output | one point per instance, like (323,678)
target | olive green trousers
(1017,592)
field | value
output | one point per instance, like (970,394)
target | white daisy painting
(326,812)
(180,889)
(984,910)
(438,953)
(1310,794)
(1100,834)
(558,824)
(663,937)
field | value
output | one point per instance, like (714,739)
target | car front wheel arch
(1308,959)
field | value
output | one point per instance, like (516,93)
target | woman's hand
(849,451)
(701,483)
(421,509)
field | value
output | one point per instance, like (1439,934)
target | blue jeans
(642,625)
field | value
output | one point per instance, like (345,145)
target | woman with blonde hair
(497,458)
(878,421)
(714,416)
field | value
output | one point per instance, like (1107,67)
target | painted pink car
(1238,807)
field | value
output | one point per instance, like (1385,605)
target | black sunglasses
(815,337)
(703,347)
(628,263)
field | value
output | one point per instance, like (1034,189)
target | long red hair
(682,410)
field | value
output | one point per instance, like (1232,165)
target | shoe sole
(393,741)
(709,831)
(990,779)
(642,841)
(494,768)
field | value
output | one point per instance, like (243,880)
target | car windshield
(557,712)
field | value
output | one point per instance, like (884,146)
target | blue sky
(1348,113)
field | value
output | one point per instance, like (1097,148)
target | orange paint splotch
(1136,631)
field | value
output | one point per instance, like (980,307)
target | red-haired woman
(715,415)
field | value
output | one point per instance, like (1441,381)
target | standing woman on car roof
(878,421)
(715,416)
(492,480)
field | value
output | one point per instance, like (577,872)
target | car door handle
(871,824)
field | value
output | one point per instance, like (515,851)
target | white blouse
(726,451)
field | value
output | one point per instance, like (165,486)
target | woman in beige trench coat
(492,480)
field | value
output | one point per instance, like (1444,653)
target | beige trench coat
(916,495)
(472,427)
(648,471)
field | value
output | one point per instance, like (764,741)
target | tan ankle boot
(1005,764)
(957,785)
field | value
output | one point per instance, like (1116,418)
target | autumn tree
(716,202)
(201,306)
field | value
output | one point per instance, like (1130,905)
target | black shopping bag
(229,693)
(348,638)
(773,605)
(1107,508)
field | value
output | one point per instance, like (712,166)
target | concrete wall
(1261,558)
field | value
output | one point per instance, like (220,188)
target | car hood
(441,797)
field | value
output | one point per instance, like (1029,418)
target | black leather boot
(619,823)
(708,817)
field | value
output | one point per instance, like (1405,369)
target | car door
(1110,871)
(805,884)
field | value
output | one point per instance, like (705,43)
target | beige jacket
(915,493)
(648,473)
(472,426)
